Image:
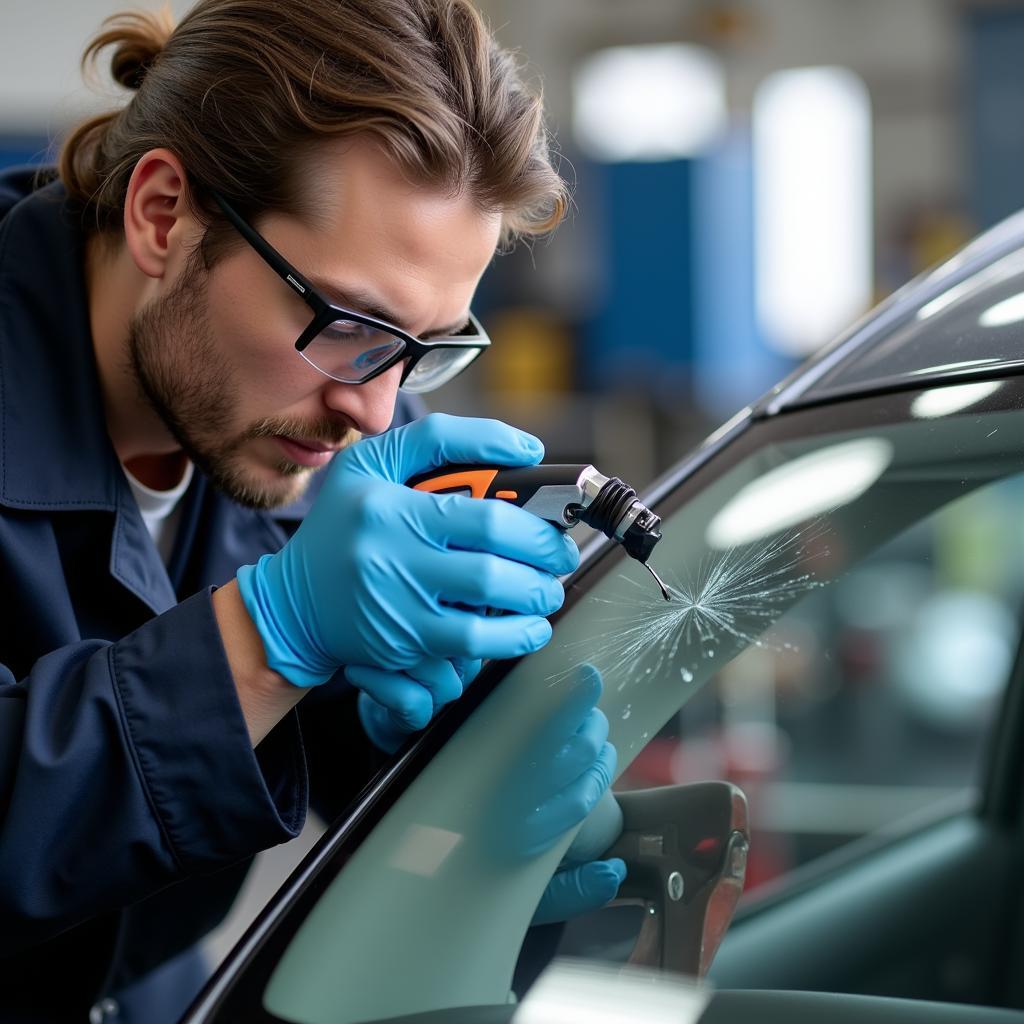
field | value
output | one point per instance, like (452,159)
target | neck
(117,289)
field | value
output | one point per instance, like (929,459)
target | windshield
(429,911)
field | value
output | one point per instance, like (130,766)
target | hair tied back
(138,37)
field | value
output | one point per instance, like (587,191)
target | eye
(344,330)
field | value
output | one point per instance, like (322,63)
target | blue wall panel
(640,336)
(732,365)
(995,113)
(22,149)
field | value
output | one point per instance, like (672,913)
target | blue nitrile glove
(580,889)
(394,704)
(568,769)
(381,575)
(559,779)
(583,881)
(563,773)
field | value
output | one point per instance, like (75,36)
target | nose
(370,406)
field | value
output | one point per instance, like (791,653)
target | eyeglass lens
(349,351)
(438,367)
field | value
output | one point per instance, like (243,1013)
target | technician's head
(383,148)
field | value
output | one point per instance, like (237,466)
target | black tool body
(561,494)
(554,492)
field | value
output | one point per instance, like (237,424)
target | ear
(158,223)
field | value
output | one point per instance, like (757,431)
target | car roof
(926,333)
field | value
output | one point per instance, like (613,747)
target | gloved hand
(558,781)
(580,889)
(383,576)
(394,704)
(583,882)
(564,772)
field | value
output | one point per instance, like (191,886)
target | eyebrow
(363,302)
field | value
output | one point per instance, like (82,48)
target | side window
(869,703)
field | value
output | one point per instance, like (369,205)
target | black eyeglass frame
(326,312)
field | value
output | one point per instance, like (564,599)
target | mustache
(323,431)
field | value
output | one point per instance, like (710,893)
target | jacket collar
(54,449)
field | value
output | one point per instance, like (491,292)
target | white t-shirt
(161,510)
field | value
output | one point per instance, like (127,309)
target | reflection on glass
(1009,311)
(798,490)
(963,364)
(938,304)
(575,991)
(1001,270)
(952,662)
(945,401)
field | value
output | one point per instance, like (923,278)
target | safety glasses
(353,347)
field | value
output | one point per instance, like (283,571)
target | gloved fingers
(464,634)
(439,439)
(379,724)
(440,678)
(488,581)
(384,728)
(578,754)
(568,805)
(592,784)
(501,529)
(467,668)
(599,831)
(581,751)
(582,691)
(409,701)
(580,890)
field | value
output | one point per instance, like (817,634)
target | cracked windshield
(840,629)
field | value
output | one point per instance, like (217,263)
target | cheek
(255,331)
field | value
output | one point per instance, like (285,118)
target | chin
(262,487)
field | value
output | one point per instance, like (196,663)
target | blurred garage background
(749,176)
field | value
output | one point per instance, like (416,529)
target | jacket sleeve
(127,766)
(341,758)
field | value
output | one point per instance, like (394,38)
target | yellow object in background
(530,360)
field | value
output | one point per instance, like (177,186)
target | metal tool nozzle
(661,583)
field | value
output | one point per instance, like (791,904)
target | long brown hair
(241,89)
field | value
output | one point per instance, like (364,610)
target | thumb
(580,890)
(439,440)
(408,701)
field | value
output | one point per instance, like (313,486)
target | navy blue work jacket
(131,800)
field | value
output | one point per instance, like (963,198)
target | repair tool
(563,495)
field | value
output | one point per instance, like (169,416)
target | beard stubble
(178,369)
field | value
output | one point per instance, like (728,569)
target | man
(331,176)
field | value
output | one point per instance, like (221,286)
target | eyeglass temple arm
(272,257)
